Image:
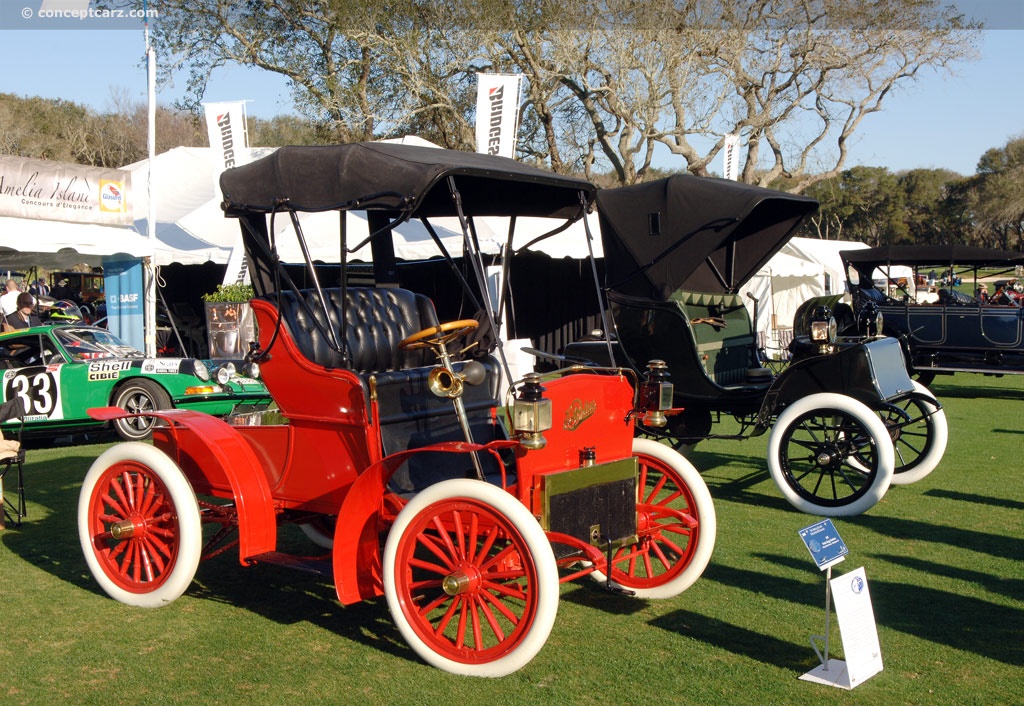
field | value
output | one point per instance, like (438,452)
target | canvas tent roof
(57,245)
(192,228)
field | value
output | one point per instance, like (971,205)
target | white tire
(443,557)
(921,445)
(139,525)
(830,455)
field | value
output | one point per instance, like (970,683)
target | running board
(311,564)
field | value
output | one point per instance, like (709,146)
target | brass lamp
(531,413)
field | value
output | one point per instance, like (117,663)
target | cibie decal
(107,369)
(160,366)
(577,413)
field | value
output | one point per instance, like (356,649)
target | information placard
(824,543)
(857,626)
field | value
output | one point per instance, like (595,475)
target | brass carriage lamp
(531,413)
(823,327)
(656,393)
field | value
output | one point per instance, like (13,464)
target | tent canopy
(803,269)
(57,245)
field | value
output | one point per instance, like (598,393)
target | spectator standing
(63,291)
(39,288)
(9,299)
(23,317)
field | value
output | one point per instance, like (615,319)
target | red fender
(257,521)
(357,559)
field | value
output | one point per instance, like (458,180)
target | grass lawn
(944,560)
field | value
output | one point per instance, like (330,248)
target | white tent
(788,280)
(826,253)
(804,268)
(191,227)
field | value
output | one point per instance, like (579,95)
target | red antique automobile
(430,475)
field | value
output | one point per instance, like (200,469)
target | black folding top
(930,255)
(399,178)
(693,233)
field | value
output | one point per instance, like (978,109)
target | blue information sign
(824,544)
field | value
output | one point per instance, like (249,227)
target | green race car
(59,372)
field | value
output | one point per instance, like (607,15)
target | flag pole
(149,263)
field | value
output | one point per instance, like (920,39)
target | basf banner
(497,114)
(229,140)
(59,191)
(122,285)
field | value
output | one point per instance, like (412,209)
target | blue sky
(940,121)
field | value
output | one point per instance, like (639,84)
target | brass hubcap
(122,530)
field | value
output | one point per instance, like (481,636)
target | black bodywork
(964,328)
(677,252)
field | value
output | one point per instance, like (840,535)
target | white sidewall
(860,412)
(938,435)
(543,557)
(189,524)
(704,507)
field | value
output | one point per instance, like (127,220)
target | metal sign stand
(827,549)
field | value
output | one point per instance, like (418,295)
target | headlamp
(531,413)
(656,393)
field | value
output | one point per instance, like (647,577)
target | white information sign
(858,632)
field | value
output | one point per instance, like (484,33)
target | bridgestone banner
(59,191)
(229,140)
(497,114)
(229,143)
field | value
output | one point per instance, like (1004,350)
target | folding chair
(12,454)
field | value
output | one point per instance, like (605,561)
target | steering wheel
(439,335)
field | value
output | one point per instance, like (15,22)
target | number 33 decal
(38,392)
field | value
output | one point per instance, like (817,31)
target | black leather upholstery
(378,319)
(410,415)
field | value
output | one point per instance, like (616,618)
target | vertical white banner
(497,114)
(229,145)
(731,157)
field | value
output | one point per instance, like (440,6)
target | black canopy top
(693,233)
(865,260)
(398,178)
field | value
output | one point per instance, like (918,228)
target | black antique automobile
(937,298)
(677,251)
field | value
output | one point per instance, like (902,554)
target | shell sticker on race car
(159,366)
(38,389)
(107,369)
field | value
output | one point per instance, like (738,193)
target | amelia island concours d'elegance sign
(58,191)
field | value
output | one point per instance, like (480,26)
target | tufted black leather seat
(410,415)
(377,320)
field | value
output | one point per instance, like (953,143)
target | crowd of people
(20,305)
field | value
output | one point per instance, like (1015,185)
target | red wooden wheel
(139,525)
(470,579)
(676,526)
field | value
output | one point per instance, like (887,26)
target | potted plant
(229,320)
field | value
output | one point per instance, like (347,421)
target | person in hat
(24,316)
(63,291)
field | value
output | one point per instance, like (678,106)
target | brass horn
(444,383)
